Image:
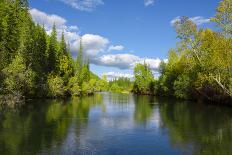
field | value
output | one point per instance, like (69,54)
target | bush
(90,87)
(56,86)
(73,87)
(18,79)
(181,87)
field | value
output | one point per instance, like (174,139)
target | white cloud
(114,75)
(47,20)
(198,20)
(116,48)
(125,61)
(149,2)
(153,63)
(73,28)
(122,61)
(83,5)
(93,44)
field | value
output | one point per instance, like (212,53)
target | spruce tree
(63,46)
(79,60)
(52,51)
(11,41)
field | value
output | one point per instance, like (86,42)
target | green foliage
(56,86)
(144,79)
(181,86)
(185,28)
(34,64)
(74,88)
(200,67)
(65,68)
(223,18)
(90,87)
(52,51)
(115,88)
(121,85)
(18,78)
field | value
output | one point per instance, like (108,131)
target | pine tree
(79,60)
(63,46)
(1,39)
(52,51)
(11,41)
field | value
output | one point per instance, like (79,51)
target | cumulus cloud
(93,44)
(47,20)
(116,48)
(122,61)
(114,75)
(125,61)
(198,20)
(73,28)
(153,63)
(149,2)
(83,5)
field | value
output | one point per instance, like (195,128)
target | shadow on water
(109,123)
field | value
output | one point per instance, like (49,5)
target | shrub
(19,80)
(73,87)
(181,87)
(56,86)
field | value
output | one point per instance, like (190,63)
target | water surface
(117,124)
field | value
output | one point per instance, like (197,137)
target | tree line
(35,64)
(200,67)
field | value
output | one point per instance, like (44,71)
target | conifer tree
(52,50)
(79,60)
(11,42)
(63,46)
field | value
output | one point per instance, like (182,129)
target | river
(116,124)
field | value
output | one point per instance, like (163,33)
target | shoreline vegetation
(37,65)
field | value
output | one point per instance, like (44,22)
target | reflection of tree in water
(118,98)
(38,127)
(143,108)
(198,129)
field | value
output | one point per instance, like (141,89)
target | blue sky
(117,34)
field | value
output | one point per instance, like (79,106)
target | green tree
(79,60)
(144,79)
(56,86)
(223,17)
(63,45)
(11,31)
(52,51)
(18,78)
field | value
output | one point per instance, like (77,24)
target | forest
(37,65)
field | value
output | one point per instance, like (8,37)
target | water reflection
(143,108)
(197,128)
(42,125)
(109,123)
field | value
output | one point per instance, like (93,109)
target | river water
(116,124)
